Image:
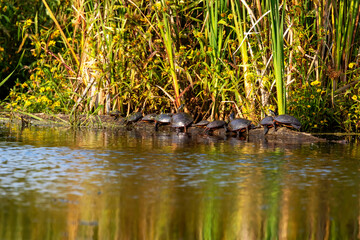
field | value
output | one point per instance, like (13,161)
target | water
(64,184)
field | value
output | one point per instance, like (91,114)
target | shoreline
(282,136)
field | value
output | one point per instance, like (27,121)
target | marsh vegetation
(299,57)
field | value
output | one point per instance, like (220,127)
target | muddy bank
(282,136)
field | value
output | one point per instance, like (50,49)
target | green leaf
(7,78)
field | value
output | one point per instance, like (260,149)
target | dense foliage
(215,56)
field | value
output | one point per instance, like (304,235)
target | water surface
(96,184)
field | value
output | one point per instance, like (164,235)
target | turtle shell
(149,117)
(134,117)
(267,123)
(202,123)
(163,118)
(216,124)
(239,124)
(287,120)
(269,120)
(115,114)
(181,120)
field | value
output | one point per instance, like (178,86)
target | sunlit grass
(277,30)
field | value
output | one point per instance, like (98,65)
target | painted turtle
(239,125)
(215,124)
(285,120)
(181,120)
(267,122)
(116,114)
(202,123)
(149,117)
(162,118)
(134,117)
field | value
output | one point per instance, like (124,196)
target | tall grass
(216,35)
(345,22)
(277,30)
(240,29)
(164,20)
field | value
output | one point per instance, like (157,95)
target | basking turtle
(215,124)
(134,117)
(149,117)
(181,120)
(239,125)
(202,123)
(116,114)
(285,120)
(162,118)
(267,122)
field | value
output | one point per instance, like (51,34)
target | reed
(61,32)
(277,30)
(345,22)
(241,11)
(164,19)
(215,38)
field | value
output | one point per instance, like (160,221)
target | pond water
(63,184)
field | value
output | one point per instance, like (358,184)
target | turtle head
(232,116)
(272,113)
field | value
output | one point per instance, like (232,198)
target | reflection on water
(64,184)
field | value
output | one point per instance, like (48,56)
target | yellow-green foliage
(135,55)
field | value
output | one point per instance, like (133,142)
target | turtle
(149,117)
(285,120)
(181,120)
(116,114)
(202,123)
(239,125)
(267,122)
(134,117)
(162,118)
(215,124)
